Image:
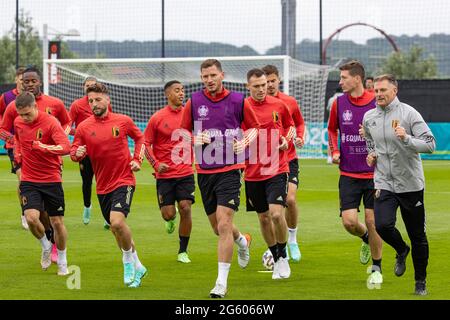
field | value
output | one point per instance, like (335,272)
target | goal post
(136,85)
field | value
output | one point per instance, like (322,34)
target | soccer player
(79,111)
(273,85)
(174,181)
(31,81)
(356,177)
(5,99)
(368,84)
(395,134)
(40,141)
(104,138)
(216,115)
(267,169)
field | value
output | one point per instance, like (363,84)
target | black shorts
(14,165)
(117,200)
(175,189)
(351,190)
(293,172)
(43,197)
(222,189)
(262,193)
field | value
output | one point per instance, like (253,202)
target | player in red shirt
(273,85)
(356,184)
(40,141)
(220,185)
(174,181)
(79,111)
(267,169)
(5,99)
(104,138)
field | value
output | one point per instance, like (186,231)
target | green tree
(30,48)
(410,65)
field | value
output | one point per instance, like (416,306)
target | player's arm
(62,144)
(333,128)
(371,154)
(421,139)
(250,125)
(288,132)
(139,147)
(2,107)
(8,123)
(78,149)
(63,116)
(149,140)
(186,121)
(17,149)
(299,124)
(72,117)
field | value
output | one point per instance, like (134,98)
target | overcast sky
(240,22)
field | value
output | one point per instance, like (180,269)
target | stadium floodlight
(136,85)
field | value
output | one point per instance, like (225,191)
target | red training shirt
(299,123)
(272,113)
(44,103)
(160,145)
(106,141)
(250,121)
(38,148)
(333,127)
(8,144)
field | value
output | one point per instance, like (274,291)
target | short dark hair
(209,63)
(369,78)
(271,69)
(387,76)
(33,69)
(170,83)
(97,87)
(19,71)
(254,73)
(25,99)
(89,78)
(355,68)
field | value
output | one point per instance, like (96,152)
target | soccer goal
(136,85)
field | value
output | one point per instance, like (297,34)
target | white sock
(46,245)
(137,262)
(62,258)
(241,241)
(292,235)
(224,269)
(127,256)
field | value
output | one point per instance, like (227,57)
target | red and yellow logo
(39,134)
(115,132)
(48,110)
(275,116)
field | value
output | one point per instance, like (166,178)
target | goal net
(136,85)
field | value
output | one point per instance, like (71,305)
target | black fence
(430,97)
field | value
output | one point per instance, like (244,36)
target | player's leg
(31,201)
(165,189)
(87,174)
(412,209)
(185,195)
(16,170)
(385,209)
(351,192)
(292,211)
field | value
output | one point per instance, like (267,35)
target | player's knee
(32,218)
(291,201)
(185,208)
(349,224)
(224,227)
(277,217)
(116,225)
(56,223)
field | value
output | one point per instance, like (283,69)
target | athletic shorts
(117,200)
(262,193)
(293,172)
(43,197)
(14,165)
(351,190)
(220,189)
(176,189)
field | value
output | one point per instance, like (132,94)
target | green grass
(329,268)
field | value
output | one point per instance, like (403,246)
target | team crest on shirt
(347,116)
(48,110)
(275,116)
(39,134)
(203,111)
(115,132)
